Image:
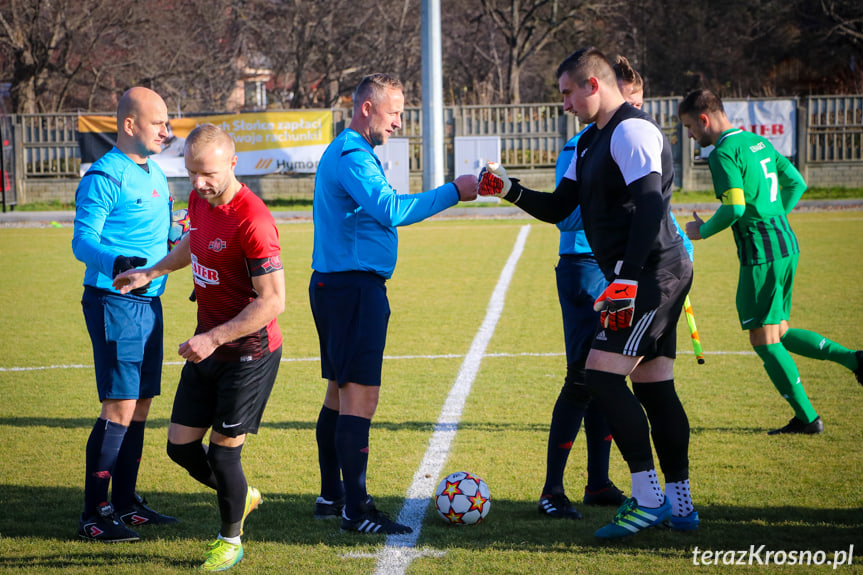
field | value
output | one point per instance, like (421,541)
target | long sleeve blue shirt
(356,211)
(121,209)
(572,238)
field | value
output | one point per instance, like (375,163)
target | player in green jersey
(758,187)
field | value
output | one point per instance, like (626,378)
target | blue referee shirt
(356,211)
(121,210)
(572,238)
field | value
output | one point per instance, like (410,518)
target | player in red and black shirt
(231,244)
(233,358)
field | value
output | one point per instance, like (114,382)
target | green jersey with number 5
(771,187)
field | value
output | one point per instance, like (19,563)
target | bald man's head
(142,119)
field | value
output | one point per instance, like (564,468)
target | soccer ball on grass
(462,498)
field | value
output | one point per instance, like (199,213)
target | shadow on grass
(514,524)
(68,422)
(52,514)
(101,556)
(157,423)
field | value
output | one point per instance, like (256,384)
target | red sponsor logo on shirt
(155,194)
(218,245)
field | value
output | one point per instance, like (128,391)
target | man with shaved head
(122,218)
(233,358)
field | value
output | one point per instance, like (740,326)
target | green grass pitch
(786,493)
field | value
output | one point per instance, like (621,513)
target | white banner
(776,120)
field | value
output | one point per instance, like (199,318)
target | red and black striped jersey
(230,244)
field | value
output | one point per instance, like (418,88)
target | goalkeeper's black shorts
(661,293)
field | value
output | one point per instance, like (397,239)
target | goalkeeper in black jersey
(621,178)
(758,187)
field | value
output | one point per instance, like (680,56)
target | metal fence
(50,144)
(835,128)
(531,134)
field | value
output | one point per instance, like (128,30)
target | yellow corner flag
(693,331)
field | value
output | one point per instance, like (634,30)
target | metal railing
(835,128)
(531,134)
(50,144)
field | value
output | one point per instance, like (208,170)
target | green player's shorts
(764,292)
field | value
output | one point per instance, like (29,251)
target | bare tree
(82,54)
(473,55)
(198,54)
(328,47)
(526,26)
(49,44)
(846,19)
(831,48)
(323,48)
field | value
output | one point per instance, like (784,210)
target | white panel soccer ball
(462,498)
(179,227)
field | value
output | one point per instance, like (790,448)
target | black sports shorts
(658,303)
(351,312)
(229,396)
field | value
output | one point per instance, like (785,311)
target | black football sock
(669,427)
(103,446)
(565,422)
(193,458)
(352,442)
(128,463)
(232,489)
(598,436)
(625,418)
(328,457)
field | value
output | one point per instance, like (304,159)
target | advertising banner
(776,120)
(266,142)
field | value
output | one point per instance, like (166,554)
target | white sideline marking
(415,553)
(386,358)
(398,552)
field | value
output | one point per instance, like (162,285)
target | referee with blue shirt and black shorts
(356,213)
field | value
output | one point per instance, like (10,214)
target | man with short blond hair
(233,358)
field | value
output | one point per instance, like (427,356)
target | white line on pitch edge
(386,358)
(398,552)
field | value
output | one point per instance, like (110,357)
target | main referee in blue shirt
(356,213)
